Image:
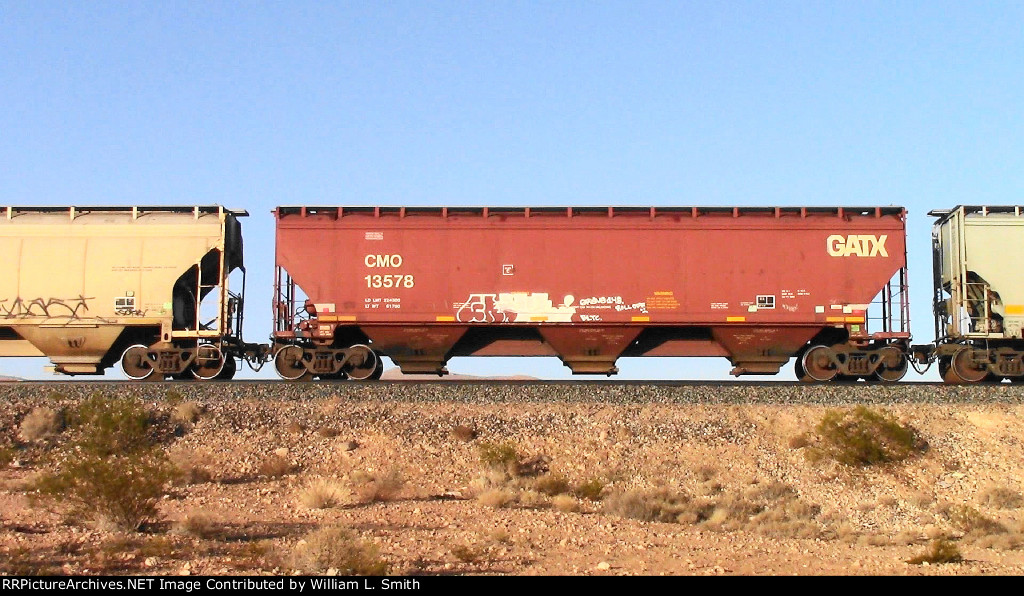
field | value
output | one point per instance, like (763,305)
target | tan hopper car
(89,286)
(979,293)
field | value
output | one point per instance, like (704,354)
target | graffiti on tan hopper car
(54,308)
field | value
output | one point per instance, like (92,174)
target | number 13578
(389,281)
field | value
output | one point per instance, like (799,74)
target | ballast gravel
(702,443)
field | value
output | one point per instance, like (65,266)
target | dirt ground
(560,488)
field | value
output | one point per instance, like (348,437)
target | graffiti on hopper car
(479,308)
(514,307)
(49,307)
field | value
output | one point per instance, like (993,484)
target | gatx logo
(857,245)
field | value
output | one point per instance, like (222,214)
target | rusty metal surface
(761,281)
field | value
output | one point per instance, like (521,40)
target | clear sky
(258,104)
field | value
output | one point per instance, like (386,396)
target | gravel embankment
(538,392)
(716,444)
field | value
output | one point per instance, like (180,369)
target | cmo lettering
(390,261)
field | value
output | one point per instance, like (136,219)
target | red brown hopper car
(590,285)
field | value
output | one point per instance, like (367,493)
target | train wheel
(367,366)
(288,363)
(209,363)
(798,370)
(378,370)
(138,364)
(819,364)
(891,374)
(963,370)
(230,368)
(944,373)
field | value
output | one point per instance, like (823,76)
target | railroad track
(441,382)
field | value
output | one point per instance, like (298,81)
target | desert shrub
(1007,541)
(770,491)
(863,437)
(198,524)
(589,489)
(122,490)
(505,458)
(275,466)
(906,538)
(491,478)
(788,518)
(140,547)
(799,441)
(921,499)
(565,503)
(1000,497)
(466,553)
(376,486)
(532,499)
(887,501)
(111,470)
(191,468)
(939,551)
(110,427)
(187,412)
(770,508)
(971,521)
(706,472)
(552,484)
(193,474)
(845,532)
(533,466)
(7,455)
(324,494)
(464,433)
(710,489)
(496,497)
(339,551)
(501,456)
(27,562)
(872,540)
(648,505)
(731,511)
(41,423)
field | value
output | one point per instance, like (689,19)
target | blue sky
(258,104)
